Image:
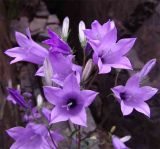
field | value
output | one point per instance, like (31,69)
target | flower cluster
(67,82)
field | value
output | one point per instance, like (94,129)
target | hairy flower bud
(48,72)
(87,70)
(65,28)
(39,101)
(82,37)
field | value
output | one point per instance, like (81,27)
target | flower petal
(71,83)
(143,108)
(146,92)
(122,63)
(58,116)
(103,68)
(89,96)
(126,110)
(53,94)
(117,90)
(147,68)
(124,45)
(15,132)
(80,119)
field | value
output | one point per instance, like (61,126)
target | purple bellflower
(132,95)
(33,136)
(62,66)
(57,44)
(28,50)
(118,143)
(70,102)
(16,98)
(107,51)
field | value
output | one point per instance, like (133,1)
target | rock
(37,25)
(18,25)
(42,11)
(53,19)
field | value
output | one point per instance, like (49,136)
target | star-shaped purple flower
(132,95)
(70,102)
(33,136)
(57,44)
(107,51)
(28,50)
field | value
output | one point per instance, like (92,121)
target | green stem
(54,144)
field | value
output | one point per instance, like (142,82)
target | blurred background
(133,18)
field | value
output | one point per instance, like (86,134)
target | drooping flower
(28,50)
(70,102)
(118,143)
(62,66)
(33,136)
(132,95)
(17,98)
(107,51)
(57,44)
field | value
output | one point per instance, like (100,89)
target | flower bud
(65,28)
(82,37)
(39,101)
(125,139)
(87,70)
(48,72)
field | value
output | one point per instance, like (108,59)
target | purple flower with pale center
(16,98)
(107,51)
(70,102)
(62,66)
(33,136)
(28,50)
(57,44)
(132,95)
(119,143)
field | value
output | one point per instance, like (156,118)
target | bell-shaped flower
(57,44)
(70,102)
(132,95)
(33,136)
(107,51)
(28,50)
(61,67)
(118,143)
